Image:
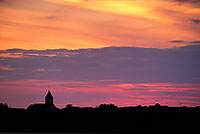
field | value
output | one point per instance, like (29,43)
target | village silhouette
(46,117)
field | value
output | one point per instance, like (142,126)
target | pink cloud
(9,68)
(93,93)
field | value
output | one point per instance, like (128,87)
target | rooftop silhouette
(48,106)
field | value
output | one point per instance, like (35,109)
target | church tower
(49,99)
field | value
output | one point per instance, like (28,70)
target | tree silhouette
(104,118)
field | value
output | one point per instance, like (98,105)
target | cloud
(88,77)
(40,69)
(188,1)
(19,53)
(85,73)
(182,41)
(50,17)
(111,63)
(195,21)
(192,1)
(92,93)
(176,41)
(95,24)
(195,42)
(8,68)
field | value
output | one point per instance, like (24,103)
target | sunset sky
(88,52)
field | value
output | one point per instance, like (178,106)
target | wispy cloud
(195,42)
(192,1)
(94,24)
(176,41)
(194,21)
(9,68)
(95,92)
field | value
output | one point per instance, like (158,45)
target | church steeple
(49,98)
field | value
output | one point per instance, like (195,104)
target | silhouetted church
(47,107)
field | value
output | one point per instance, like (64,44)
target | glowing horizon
(75,24)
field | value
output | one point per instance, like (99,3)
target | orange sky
(73,24)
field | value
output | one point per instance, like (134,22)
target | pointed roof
(49,95)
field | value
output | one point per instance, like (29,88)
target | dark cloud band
(111,63)
(176,41)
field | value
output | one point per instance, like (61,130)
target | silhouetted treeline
(104,118)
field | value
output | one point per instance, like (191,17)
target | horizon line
(85,48)
(96,106)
